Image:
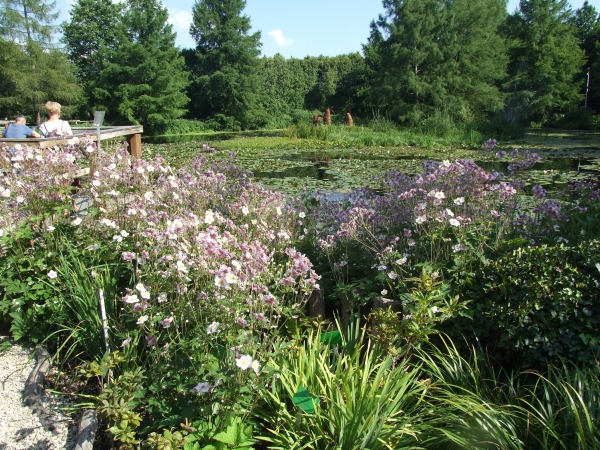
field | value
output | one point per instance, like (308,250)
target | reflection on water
(317,171)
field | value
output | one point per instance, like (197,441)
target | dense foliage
(536,66)
(204,276)
(431,54)
(32,70)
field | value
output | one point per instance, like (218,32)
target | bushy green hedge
(539,303)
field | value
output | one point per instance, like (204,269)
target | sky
(297,28)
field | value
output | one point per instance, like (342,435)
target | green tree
(89,34)
(142,79)
(587,31)
(226,79)
(545,59)
(33,70)
(437,54)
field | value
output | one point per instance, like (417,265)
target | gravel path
(20,427)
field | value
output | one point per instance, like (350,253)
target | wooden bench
(132,134)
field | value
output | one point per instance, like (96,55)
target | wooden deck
(132,134)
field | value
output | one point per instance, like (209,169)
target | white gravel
(20,427)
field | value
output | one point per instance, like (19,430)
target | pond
(565,155)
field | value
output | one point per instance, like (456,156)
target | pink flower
(150,341)
(166,323)
(269,299)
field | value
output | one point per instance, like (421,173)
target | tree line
(469,59)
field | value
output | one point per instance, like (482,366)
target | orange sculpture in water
(327,117)
(349,120)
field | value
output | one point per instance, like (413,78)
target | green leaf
(305,400)
(332,337)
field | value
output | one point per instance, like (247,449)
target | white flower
(434,309)
(162,297)
(181,267)
(5,192)
(445,163)
(454,222)
(124,233)
(125,342)
(201,388)
(20,199)
(142,319)
(384,292)
(449,212)
(92,247)
(89,149)
(220,281)
(131,299)
(459,200)
(230,278)
(402,260)
(77,221)
(421,219)
(255,366)
(150,168)
(212,328)
(392,275)
(118,238)
(244,362)
(140,170)
(52,274)
(245,210)
(439,195)
(96,183)
(209,217)
(278,209)
(302,215)
(50,228)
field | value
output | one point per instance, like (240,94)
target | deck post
(134,141)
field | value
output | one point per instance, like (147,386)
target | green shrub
(539,303)
(185,126)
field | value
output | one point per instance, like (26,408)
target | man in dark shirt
(19,130)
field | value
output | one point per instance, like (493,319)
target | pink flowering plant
(39,181)
(207,269)
(445,222)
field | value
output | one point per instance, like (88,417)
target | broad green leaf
(305,400)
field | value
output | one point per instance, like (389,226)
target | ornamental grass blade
(305,400)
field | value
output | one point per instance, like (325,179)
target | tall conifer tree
(142,79)
(437,54)
(226,79)
(544,60)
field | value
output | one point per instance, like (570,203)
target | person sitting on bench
(19,130)
(54,126)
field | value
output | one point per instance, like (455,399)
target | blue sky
(297,28)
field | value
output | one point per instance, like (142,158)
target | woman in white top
(54,126)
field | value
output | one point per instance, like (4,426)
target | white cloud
(181,20)
(279,38)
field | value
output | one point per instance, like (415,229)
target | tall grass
(367,400)
(383,134)
(78,326)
